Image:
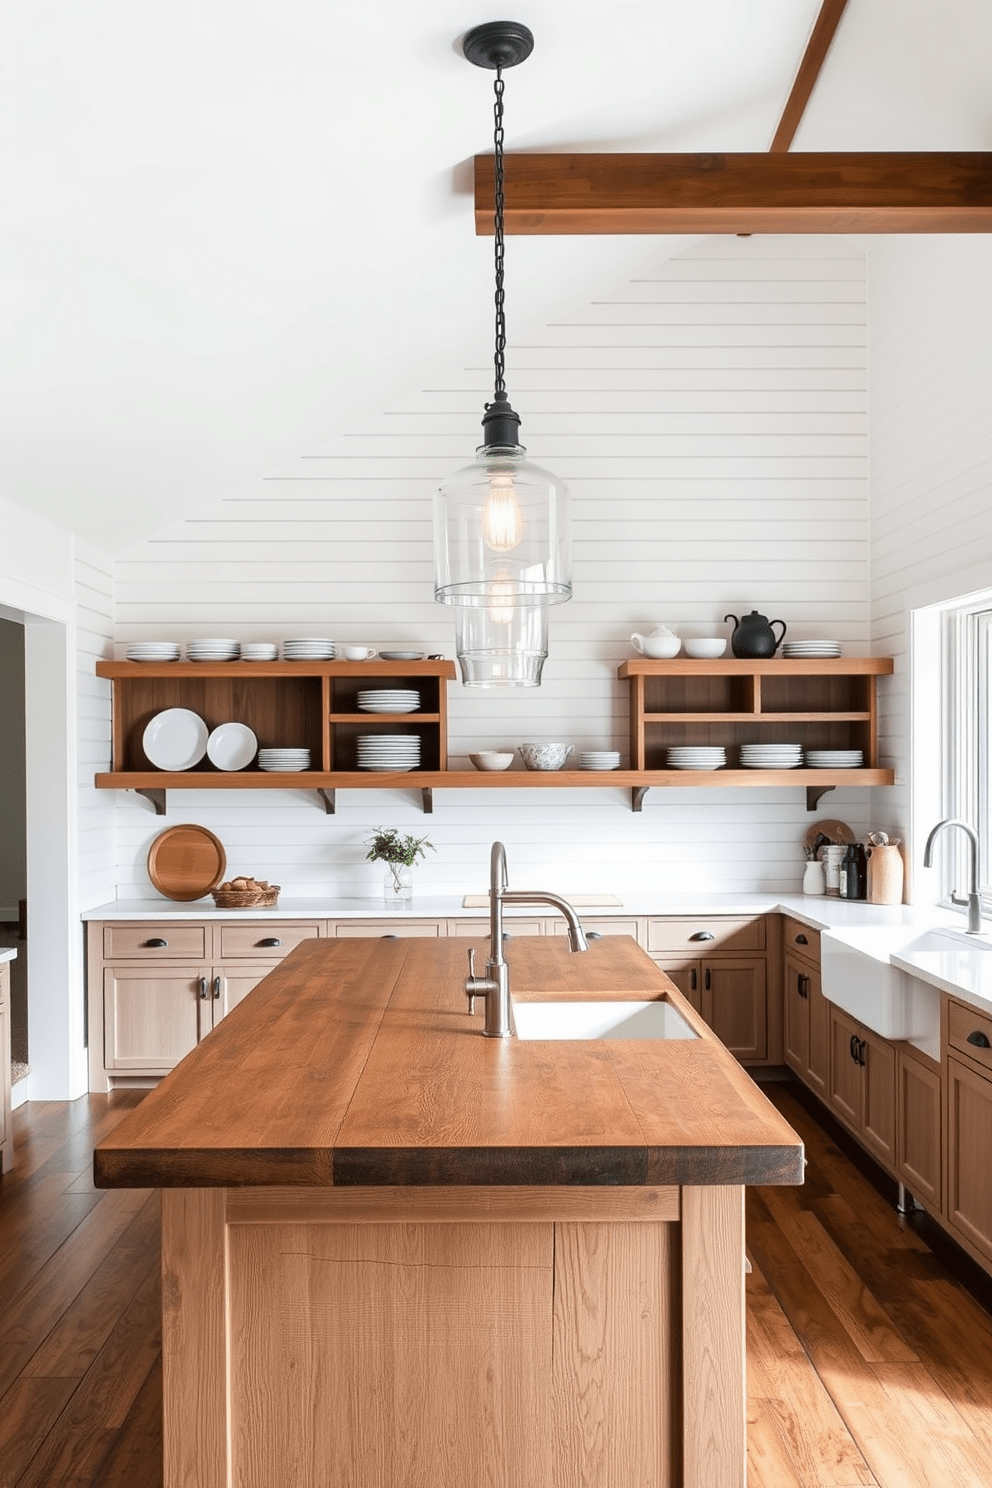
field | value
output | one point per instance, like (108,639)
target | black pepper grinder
(854,872)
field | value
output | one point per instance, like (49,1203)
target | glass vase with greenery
(399,853)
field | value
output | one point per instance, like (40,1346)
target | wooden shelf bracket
(329,797)
(813,794)
(155,796)
(637,794)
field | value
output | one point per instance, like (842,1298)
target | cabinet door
(233,983)
(154,1016)
(918,1111)
(878,1099)
(687,976)
(6,1134)
(845,1071)
(969,1155)
(797,979)
(734,1005)
(818,1062)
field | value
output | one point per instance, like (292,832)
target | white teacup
(356,653)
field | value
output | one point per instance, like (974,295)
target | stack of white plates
(308,648)
(388,751)
(212,650)
(259,651)
(771,756)
(809,649)
(284,759)
(600,759)
(697,757)
(389,700)
(153,651)
(835,759)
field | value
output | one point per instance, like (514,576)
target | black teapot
(753,635)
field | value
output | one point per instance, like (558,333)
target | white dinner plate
(175,739)
(231,746)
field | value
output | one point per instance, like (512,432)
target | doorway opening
(13,839)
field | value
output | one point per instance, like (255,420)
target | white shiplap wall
(710,420)
(931,452)
(96,816)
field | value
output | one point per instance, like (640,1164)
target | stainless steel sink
(600,1020)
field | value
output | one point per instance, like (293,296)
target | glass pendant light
(502,546)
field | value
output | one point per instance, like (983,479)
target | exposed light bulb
(502,519)
(501,597)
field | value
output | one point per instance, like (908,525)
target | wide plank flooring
(869,1362)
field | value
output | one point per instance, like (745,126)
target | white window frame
(966,743)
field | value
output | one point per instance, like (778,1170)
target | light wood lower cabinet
(6,1132)
(807,1024)
(918,1126)
(730,994)
(862,1087)
(969,1155)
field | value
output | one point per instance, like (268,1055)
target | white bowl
(491,759)
(544,756)
(711,647)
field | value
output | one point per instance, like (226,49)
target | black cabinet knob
(270,940)
(979,1040)
(158,944)
(801,940)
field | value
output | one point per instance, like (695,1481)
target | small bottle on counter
(854,873)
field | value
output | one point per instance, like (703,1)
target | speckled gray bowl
(544,756)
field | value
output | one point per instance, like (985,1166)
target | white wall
(711,421)
(96,816)
(931,458)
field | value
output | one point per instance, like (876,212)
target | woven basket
(233,899)
(270,897)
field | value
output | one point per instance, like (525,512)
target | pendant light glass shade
(502,520)
(500,644)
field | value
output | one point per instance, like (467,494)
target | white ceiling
(235,228)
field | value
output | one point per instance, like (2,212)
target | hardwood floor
(869,1363)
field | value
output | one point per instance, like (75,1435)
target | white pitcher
(660,644)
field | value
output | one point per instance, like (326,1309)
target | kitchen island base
(552,1337)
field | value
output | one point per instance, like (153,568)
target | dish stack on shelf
(212,650)
(153,651)
(388,751)
(308,648)
(697,757)
(289,761)
(389,700)
(835,759)
(259,651)
(809,650)
(600,759)
(771,756)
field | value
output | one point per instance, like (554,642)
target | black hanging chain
(500,356)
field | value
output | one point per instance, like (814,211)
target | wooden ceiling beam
(809,70)
(917,192)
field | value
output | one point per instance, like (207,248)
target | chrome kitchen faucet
(973,902)
(495,985)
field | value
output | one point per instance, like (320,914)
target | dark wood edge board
(611,1167)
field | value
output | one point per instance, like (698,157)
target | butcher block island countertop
(396,1252)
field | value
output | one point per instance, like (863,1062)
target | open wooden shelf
(314,703)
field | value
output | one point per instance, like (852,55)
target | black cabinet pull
(802,985)
(801,940)
(389,937)
(979,1040)
(853,1047)
(594,935)
(158,944)
(702,935)
(216,988)
(270,940)
(693,979)
(707,981)
(203,988)
(862,1046)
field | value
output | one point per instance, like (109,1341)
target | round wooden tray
(186,862)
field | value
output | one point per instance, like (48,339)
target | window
(966,743)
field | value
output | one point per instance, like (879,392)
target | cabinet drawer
(605,926)
(479,929)
(266,940)
(699,937)
(962,1023)
(148,942)
(800,939)
(399,929)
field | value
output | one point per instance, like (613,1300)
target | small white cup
(356,653)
